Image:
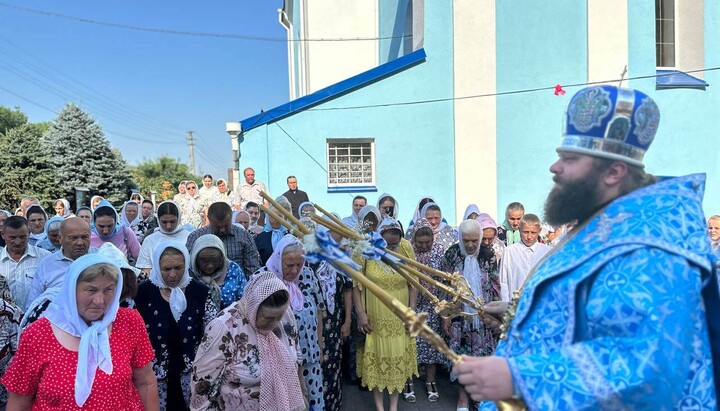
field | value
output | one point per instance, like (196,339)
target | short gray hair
(469,226)
(514,206)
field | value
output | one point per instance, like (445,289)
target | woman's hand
(493,313)
(364,325)
(345,330)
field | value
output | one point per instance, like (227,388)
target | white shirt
(516,264)
(145,257)
(20,274)
(249,192)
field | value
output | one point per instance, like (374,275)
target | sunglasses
(192,188)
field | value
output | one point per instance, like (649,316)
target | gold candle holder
(416,324)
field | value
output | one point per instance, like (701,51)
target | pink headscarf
(279,384)
(486,222)
(274,264)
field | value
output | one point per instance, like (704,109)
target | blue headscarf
(277,233)
(118,225)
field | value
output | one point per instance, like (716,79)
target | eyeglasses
(192,188)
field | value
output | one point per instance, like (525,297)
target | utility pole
(191,144)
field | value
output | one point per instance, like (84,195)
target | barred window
(665,33)
(351,162)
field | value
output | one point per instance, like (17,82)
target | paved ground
(356,400)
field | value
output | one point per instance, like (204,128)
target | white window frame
(675,38)
(373,169)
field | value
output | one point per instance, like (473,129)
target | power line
(107,113)
(105,130)
(502,93)
(45,69)
(190,33)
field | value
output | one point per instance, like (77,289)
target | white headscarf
(94,351)
(423,213)
(178,303)
(274,264)
(417,214)
(66,205)
(472,208)
(368,209)
(176,213)
(123,216)
(396,207)
(40,236)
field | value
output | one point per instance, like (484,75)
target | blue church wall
(413,143)
(534,49)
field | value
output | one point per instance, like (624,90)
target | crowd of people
(204,303)
(183,269)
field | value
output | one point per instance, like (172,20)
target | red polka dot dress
(46,370)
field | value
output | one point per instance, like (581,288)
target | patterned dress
(227,370)
(307,326)
(388,358)
(332,323)
(427,354)
(446,237)
(470,336)
(175,343)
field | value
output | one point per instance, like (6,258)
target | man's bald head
(74,237)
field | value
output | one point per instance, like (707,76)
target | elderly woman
(241,218)
(148,220)
(273,231)
(130,217)
(182,191)
(221,192)
(387,340)
(210,265)
(176,310)
(430,253)
(51,242)
(191,206)
(477,257)
(106,228)
(169,229)
(62,208)
(249,356)
(84,331)
(288,263)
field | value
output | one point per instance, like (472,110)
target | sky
(146,89)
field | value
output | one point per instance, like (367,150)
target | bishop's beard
(573,201)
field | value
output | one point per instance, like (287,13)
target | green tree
(10,119)
(83,157)
(155,175)
(26,167)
